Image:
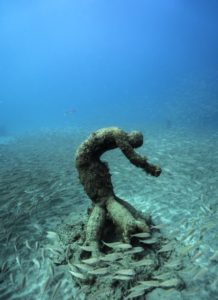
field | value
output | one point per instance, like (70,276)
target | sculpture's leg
(123,218)
(94,228)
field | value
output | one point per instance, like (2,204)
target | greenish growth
(108,210)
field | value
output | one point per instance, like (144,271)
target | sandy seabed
(39,190)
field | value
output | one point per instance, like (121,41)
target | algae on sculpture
(95,177)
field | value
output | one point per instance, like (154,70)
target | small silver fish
(118,245)
(87,248)
(149,241)
(214,257)
(159,226)
(149,283)
(122,277)
(23,283)
(18,261)
(135,250)
(173,263)
(162,276)
(167,248)
(141,235)
(77,274)
(28,245)
(135,294)
(52,235)
(174,282)
(36,262)
(46,284)
(37,245)
(68,251)
(111,257)
(83,267)
(126,272)
(56,289)
(186,249)
(143,262)
(12,278)
(200,274)
(99,271)
(4,266)
(43,254)
(51,268)
(90,261)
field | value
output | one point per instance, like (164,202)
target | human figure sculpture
(95,177)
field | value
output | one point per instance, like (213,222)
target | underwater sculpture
(115,251)
(95,177)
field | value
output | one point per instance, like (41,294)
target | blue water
(101,63)
(68,67)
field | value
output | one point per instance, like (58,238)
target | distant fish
(214,257)
(43,254)
(36,245)
(149,283)
(46,284)
(149,241)
(9,236)
(27,245)
(111,257)
(52,235)
(87,248)
(163,276)
(186,249)
(174,282)
(77,274)
(18,261)
(36,263)
(56,289)
(99,271)
(12,278)
(126,272)
(68,252)
(90,261)
(159,226)
(135,250)
(52,269)
(23,283)
(83,267)
(118,245)
(135,294)
(167,248)
(143,262)
(173,264)
(4,266)
(197,255)
(141,235)
(201,273)
(70,112)
(122,277)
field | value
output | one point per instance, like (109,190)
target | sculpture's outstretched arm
(136,159)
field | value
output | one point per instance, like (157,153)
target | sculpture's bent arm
(136,159)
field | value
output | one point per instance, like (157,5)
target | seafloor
(39,190)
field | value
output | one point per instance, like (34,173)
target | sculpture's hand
(157,171)
(153,170)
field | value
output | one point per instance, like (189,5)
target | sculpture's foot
(121,217)
(124,219)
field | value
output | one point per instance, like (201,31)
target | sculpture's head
(135,139)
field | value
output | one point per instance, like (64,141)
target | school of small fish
(36,193)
